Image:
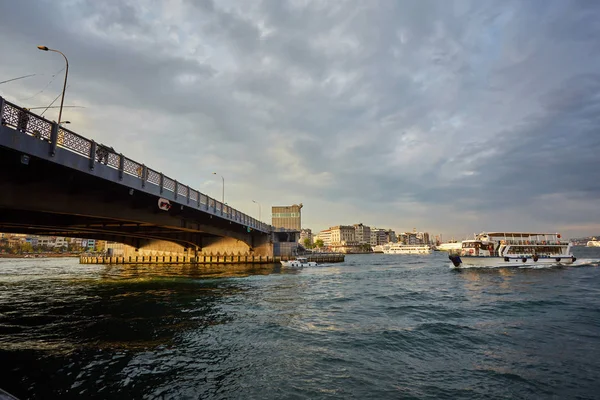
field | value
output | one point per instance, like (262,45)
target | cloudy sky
(449,116)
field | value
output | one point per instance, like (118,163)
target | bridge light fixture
(254,201)
(223,192)
(62,100)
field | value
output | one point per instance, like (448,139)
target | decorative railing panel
(169,184)
(182,190)
(113,160)
(153,177)
(132,168)
(26,121)
(74,142)
(193,195)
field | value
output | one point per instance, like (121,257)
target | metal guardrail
(23,120)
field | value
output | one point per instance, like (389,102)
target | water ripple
(376,326)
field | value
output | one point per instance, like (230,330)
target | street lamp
(62,100)
(223,192)
(254,201)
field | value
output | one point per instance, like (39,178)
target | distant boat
(449,247)
(513,249)
(299,262)
(593,243)
(381,248)
(399,248)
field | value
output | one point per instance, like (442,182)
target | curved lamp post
(223,192)
(254,201)
(62,100)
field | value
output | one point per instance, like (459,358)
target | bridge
(56,182)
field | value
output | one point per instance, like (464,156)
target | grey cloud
(466,106)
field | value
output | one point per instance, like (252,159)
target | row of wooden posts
(323,258)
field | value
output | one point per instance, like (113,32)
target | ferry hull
(473,261)
(407,252)
(298,264)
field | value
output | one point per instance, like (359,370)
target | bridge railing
(23,120)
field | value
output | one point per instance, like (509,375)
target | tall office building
(288,217)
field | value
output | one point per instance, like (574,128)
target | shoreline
(3,255)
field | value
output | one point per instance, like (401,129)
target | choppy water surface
(376,326)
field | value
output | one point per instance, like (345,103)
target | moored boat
(399,248)
(299,262)
(513,249)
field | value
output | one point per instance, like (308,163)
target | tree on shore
(307,244)
(366,247)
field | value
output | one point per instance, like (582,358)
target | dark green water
(374,327)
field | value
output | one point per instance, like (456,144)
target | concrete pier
(320,258)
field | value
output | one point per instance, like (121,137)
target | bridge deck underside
(41,197)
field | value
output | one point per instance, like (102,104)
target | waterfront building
(56,242)
(382,236)
(32,240)
(414,237)
(342,233)
(391,236)
(305,234)
(15,240)
(287,217)
(47,241)
(61,242)
(76,242)
(343,239)
(362,233)
(325,236)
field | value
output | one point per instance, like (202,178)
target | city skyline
(453,117)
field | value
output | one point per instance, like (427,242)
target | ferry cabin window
(542,250)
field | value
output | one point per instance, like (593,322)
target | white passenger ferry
(506,249)
(399,248)
(593,243)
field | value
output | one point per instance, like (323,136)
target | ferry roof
(516,234)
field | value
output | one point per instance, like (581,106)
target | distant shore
(49,255)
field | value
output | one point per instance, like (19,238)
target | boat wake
(585,262)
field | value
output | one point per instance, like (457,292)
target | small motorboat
(299,262)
